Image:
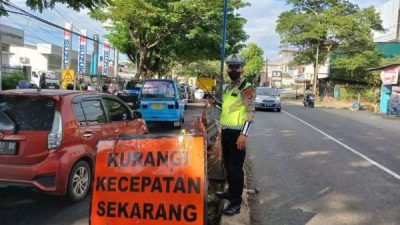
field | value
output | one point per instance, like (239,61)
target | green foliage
(352,93)
(164,32)
(253,55)
(11,81)
(388,61)
(40,5)
(353,65)
(329,25)
(201,68)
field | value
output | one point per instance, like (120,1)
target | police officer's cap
(235,60)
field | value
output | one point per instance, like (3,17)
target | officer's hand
(241,142)
(209,102)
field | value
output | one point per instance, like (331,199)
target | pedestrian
(237,116)
(42,81)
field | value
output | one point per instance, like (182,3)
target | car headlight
(258,99)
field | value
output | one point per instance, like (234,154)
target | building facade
(389,13)
(11,37)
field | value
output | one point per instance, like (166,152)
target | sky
(261,22)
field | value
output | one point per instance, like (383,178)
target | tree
(11,81)
(327,25)
(163,32)
(253,55)
(353,65)
(201,68)
(40,5)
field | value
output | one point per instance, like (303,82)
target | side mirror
(199,94)
(137,115)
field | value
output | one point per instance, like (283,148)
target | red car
(48,137)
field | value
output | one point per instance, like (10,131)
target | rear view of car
(160,102)
(131,93)
(30,128)
(48,138)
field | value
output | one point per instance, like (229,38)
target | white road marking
(385,169)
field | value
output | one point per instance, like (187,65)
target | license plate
(8,148)
(157,106)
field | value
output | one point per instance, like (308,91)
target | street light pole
(223,49)
(316,71)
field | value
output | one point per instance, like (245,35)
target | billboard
(152,180)
(82,52)
(390,75)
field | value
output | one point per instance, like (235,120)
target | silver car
(267,98)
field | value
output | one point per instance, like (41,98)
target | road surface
(321,166)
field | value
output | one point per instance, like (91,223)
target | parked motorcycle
(309,100)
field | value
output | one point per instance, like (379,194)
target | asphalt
(342,173)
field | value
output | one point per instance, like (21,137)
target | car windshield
(28,114)
(265,91)
(158,89)
(132,85)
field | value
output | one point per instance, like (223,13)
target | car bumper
(160,117)
(267,105)
(50,175)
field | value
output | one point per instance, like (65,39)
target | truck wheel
(79,182)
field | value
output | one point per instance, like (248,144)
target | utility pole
(1,61)
(115,62)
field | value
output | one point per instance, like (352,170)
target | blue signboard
(82,56)
(67,46)
(106,58)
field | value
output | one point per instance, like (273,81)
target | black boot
(232,209)
(223,195)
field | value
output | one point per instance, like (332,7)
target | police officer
(236,119)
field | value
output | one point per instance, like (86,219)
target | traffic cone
(192,130)
(202,129)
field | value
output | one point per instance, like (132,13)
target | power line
(50,23)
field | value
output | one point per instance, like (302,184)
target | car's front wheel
(80,180)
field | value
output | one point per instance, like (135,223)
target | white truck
(52,79)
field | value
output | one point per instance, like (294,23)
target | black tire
(278,110)
(311,105)
(81,174)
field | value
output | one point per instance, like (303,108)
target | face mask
(234,75)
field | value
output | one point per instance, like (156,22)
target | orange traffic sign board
(150,180)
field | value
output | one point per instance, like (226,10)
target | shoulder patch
(249,92)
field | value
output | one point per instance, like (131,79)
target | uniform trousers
(233,163)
